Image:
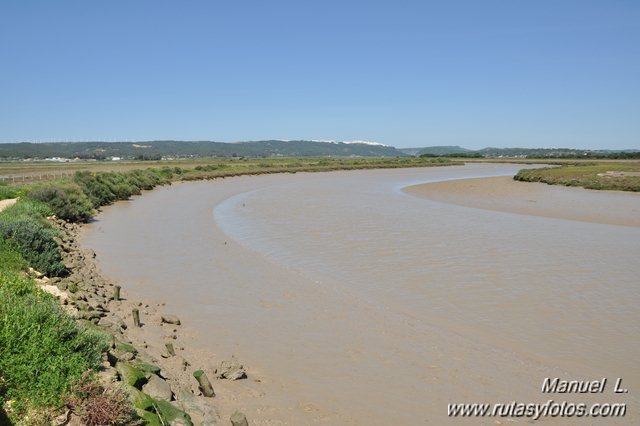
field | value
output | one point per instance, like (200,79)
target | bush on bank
(105,188)
(24,229)
(66,200)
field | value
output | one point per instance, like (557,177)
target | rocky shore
(146,352)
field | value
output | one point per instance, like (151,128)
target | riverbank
(601,175)
(69,274)
(147,352)
(504,194)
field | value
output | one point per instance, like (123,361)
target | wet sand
(351,302)
(536,199)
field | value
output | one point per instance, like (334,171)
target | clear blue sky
(405,73)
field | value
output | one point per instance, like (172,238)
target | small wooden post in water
(205,384)
(116,293)
(136,317)
(170,349)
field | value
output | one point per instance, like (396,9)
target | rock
(89,316)
(125,347)
(172,415)
(201,413)
(108,375)
(148,368)
(131,375)
(149,418)
(170,319)
(238,419)
(140,400)
(110,324)
(35,274)
(158,388)
(55,291)
(73,312)
(231,370)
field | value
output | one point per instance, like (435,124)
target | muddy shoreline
(153,345)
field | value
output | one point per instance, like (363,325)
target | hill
(154,150)
(443,150)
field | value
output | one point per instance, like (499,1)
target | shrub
(103,188)
(67,201)
(34,239)
(42,350)
(98,193)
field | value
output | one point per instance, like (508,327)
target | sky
(509,73)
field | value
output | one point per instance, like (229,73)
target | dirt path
(7,203)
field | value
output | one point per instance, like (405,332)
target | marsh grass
(590,176)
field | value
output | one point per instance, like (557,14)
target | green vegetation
(103,189)
(605,175)
(66,200)
(23,228)
(7,192)
(440,150)
(530,153)
(558,153)
(43,351)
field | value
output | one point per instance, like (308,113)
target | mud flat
(352,302)
(537,199)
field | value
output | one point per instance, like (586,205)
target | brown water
(356,303)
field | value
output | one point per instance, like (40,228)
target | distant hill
(557,153)
(451,151)
(153,150)
(442,150)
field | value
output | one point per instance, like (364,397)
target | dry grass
(98,405)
